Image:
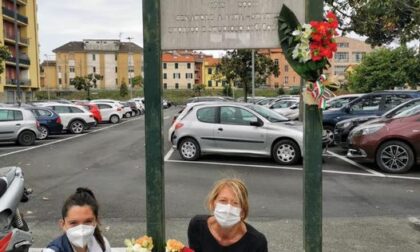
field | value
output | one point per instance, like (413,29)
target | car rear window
(207,115)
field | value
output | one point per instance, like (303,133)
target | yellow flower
(145,242)
(174,246)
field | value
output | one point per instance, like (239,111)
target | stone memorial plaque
(223,24)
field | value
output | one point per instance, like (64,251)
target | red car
(392,143)
(93,108)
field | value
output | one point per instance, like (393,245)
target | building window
(286,79)
(165,76)
(176,65)
(217,83)
(188,65)
(343,45)
(286,68)
(342,56)
(176,86)
(116,57)
(165,86)
(116,81)
(210,71)
(358,56)
(164,65)
(94,69)
(116,69)
(276,62)
(93,57)
(71,69)
(59,69)
(176,75)
(209,83)
(189,85)
(60,81)
(188,76)
(339,70)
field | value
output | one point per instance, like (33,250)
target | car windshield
(267,113)
(409,112)
(403,107)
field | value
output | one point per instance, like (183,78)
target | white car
(110,112)
(74,118)
(283,105)
(127,111)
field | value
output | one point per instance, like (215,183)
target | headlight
(368,130)
(345,125)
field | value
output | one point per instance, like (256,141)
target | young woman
(226,230)
(80,225)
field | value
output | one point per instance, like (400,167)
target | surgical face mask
(80,235)
(227,215)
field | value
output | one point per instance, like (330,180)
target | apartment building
(350,52)
(48,75)
(287,76)
(178,71)
(117,62)
(21,76)
(211,80)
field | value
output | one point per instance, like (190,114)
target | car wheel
(77,127)
(127,115)
(395,157)
(133,113)
(286,152)
(114,119)
(96,123)
(189,149)
(26,138)
(329,130)
(44,132)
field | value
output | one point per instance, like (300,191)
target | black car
(49,120)
(343,128)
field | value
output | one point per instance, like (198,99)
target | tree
(227,90)
(198,88)
(281,91)
(236,66)
(4,54)
(382,21)
(86,82)
(137,81)
(386,69)
(123,89)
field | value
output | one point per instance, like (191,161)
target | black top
(201,240)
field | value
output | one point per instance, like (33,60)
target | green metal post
(155,190)
(312,178)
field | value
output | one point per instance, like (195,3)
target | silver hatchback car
(20,125)
(236,128)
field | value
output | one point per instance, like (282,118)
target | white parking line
(370,174)
(356,164)
(63,140)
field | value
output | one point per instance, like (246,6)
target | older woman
(226,230)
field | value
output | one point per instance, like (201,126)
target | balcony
(22,2)
(23,60)
(12,38)
(11,14)
(14,82)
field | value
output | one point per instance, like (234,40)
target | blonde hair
(239,189)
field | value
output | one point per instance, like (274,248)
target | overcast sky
(64,21)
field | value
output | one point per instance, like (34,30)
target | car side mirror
(294,106)
(346,109)
(256,123)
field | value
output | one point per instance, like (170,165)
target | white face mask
(80,235)
(227,215)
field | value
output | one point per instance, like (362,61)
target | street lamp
(129,67)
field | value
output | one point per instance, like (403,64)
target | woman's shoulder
(199,220)
(254,234)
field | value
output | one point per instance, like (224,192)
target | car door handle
(220,129)
(17,124)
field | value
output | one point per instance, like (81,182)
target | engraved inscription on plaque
(223,24)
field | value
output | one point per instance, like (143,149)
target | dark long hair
(85,197)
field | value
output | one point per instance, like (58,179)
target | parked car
(283,106)
(341,100)
(393,143)
(75,118)
(135,108)
(126,108)
(49,120)
(110,112)
(342,129)
(19,125)
(376,103)
(236,128)
(266,101)
(93,108)
(205,98)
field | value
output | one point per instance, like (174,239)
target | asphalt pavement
(363,209)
